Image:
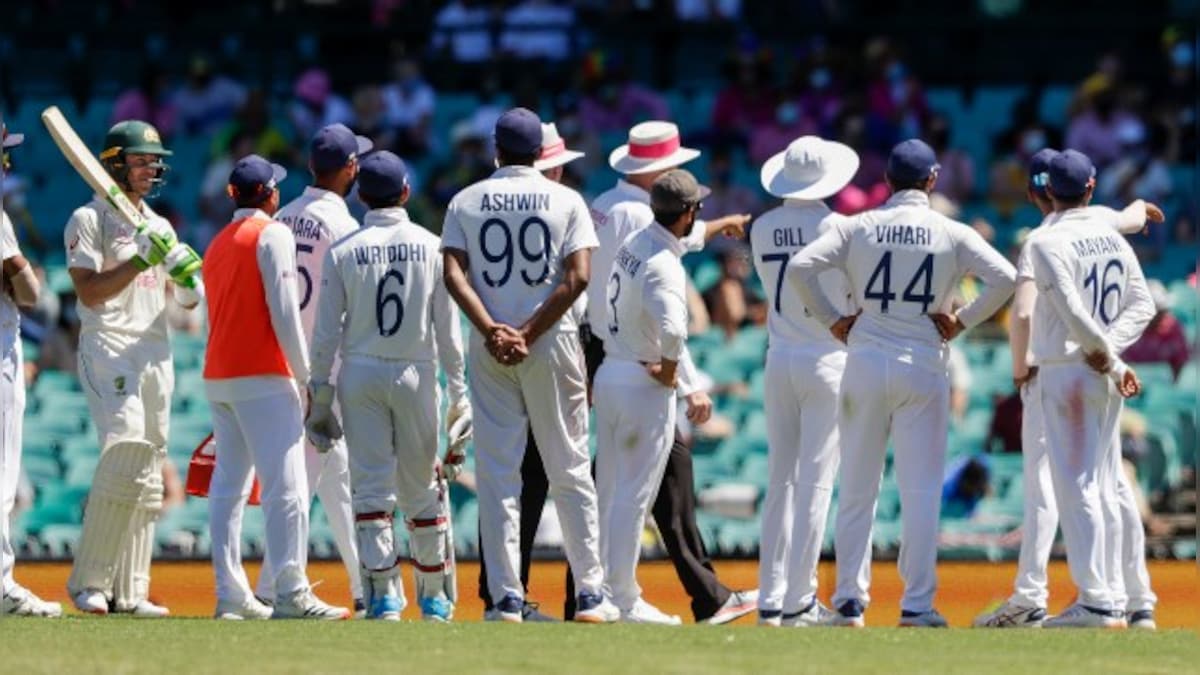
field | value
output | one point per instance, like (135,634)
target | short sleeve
(580,232)
(8,238)
(452,231)
(83,239)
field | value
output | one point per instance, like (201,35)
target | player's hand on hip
(662,374)
(699,407)
(1022,380)
(321,424)
(1098,361)
(1130,385)
(949,326)
(841,327)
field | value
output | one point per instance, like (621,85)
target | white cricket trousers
(635,428)
(1125,540)
(545,393)
(328,475)
(883,396)
(266,435)
(1041,510)
(801,401)
(1076,404)
(12,412)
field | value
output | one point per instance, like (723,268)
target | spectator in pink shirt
(149,101)
(1164,340)
(771,138)
(613,102)
(1097,131)
(747,101)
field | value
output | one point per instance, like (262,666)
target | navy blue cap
(334,145)
(911,161)
(1071,172)
(1039,169)
(382,175)
(252,175)
(519,131)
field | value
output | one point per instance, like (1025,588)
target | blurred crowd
(866,96)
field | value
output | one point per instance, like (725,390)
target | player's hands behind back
(699,407)
(841,327)
(507,344)
(664,375)
(1130,385)
(321,424)
(949,326)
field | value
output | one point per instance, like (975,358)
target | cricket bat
(451,561)
(89,169)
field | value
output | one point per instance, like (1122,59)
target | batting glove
(322,425)
(154,241)
(182,263)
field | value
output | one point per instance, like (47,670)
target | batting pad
(123,475)
(131,583)
(428,543)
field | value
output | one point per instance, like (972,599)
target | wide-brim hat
(652,146)
(554,150)
(810,168)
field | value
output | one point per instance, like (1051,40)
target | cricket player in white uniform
(516,249)
(255,362)
(127,373)
(384,305)
(318,218)
(19,287)
(803,377)
(1026,608)
(1091,295)
(654,148)
(634,389)
(903,261)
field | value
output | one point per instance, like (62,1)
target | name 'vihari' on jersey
(528,201)
(904,235)
(392,253)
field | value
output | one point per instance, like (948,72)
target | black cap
(333,146)
(253,175)
(912,161)
(1071,172)
(676,191)
(519,131)
(1039,169)
(382,175)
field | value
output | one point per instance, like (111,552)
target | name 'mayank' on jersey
(1091,247)
(391,253)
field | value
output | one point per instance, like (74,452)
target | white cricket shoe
(929,619)
(1142,619)
(772,618)
(20,601)
(1011,615)
(250,609)
(90,601)
(591,607)
(144,609)
(739,604)
(304,604)
(644,612)
(1082,616)
(816,614)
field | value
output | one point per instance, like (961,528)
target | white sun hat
(554,150)
(652,146)
(810,168)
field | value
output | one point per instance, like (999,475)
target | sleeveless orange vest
(241,340)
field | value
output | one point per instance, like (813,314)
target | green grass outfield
(178,646)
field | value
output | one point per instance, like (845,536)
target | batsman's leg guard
(380,567)
(428,540)
(122,476)
(131,585)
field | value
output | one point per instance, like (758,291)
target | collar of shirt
(387,217)
(909,198)
(816,204)
(632,191)
(509,170)
(328,196)
(250,213)
(674,244)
